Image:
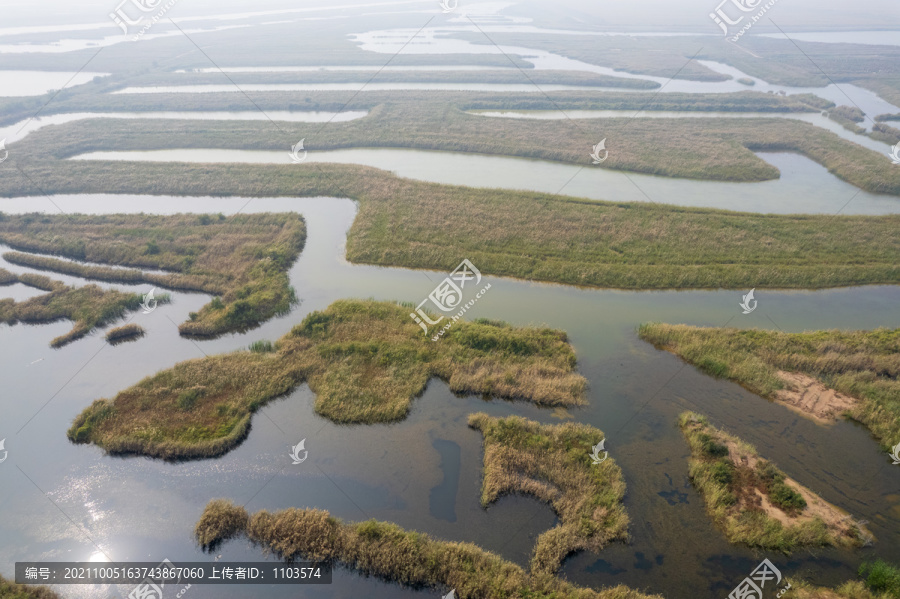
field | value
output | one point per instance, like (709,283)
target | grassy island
(128,332)
(821,374)
(385,550)
(365,360)
(552,462)
(753,502)
(88,307)
(243,260)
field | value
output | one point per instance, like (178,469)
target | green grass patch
(365,360)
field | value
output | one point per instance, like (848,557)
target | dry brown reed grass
(385,550)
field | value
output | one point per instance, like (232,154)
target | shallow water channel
(60,501)
(804,187)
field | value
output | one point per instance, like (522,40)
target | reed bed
(753,502)
(88,307)
(385,550)
(861,364)
(242,260)
(552,463)
(365,360)
(541,236)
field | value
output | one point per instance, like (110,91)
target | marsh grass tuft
(128,332)
(365,360)
(861,364)
(753,502)
(387,551)
(552,463)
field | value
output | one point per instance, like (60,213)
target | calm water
(36,83)
(804,186)
(142,509)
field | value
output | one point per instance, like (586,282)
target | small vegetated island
(753,502)
(553,463)
(243,260)
(87,307)
(550,462)
(365,360)
(820,374)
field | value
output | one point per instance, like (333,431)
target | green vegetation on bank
(755,503)
(552,462)
(88,307)
(364,360)
(881,580)
(861,364)
(387,551)
(531,235)
(244,260)
(11,590)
